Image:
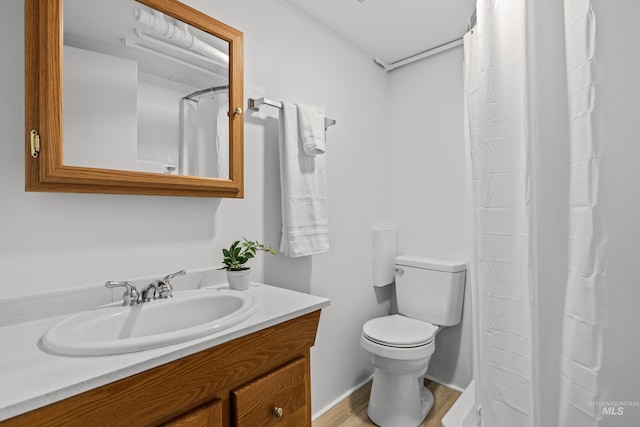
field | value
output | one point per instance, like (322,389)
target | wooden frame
(43,113)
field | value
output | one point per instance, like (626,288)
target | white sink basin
(114,329)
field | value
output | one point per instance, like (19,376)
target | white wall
(54,241)
(105,87)
(158,124)
(429,196)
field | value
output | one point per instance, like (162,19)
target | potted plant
(235,258)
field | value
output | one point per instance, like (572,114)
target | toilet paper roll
(385,244)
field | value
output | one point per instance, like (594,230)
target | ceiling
(391,29)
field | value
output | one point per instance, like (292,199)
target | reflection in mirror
(143,91)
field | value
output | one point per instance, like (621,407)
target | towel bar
(254,104)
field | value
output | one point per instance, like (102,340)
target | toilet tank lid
(431,263)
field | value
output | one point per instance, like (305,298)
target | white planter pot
(239,280)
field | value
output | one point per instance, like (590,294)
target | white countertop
(30,377)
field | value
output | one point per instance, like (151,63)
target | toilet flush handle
(399,271)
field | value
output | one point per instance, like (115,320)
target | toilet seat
(398,331)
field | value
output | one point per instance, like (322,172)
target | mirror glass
(143,91)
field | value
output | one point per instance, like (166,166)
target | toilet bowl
(400,349)
(429,294)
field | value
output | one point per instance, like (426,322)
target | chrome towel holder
(254,104)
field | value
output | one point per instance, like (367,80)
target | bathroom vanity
(256,373)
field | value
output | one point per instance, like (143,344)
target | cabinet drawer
(209,415)
(278,398)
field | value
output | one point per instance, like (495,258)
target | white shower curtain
(600,360)
(501,159)
(599,383)
(204,128)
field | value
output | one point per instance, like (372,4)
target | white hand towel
(305,219)
(312,129)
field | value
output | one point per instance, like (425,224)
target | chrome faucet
(154,290)
(131,296)
(150,292)
(165,289)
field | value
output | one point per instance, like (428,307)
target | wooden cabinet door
(279,398)
(208,415)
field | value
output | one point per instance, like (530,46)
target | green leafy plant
(239,253)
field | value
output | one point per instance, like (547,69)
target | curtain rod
(418,56)
(201,91)
(256,103)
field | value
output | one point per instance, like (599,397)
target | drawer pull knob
(277,412)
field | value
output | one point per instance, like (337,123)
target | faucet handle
(131,295)
(168,277)
(165,289)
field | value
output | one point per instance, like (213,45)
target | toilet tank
(430,289)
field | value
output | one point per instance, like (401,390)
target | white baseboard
(340,398)
(444,383)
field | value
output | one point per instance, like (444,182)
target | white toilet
(429,293)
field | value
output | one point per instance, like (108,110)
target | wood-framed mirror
(59,154)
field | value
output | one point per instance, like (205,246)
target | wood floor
(352,411)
